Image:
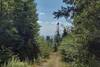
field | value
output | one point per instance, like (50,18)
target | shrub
(14,62)
(45,48)
(5,54)
(68,49)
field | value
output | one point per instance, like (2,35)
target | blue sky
(45,8)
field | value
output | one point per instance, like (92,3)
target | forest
(21,44)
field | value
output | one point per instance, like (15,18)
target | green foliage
(5,55)
(45,48)
(25,21)
(68,49)
(6,33)
(86,30)
(14,62)
(19,28)
(65,33)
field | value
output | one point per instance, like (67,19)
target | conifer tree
(86,26)
(6,30)
(25,21)
(65,33)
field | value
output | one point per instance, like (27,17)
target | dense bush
(75,53)
(68,49)
(5,55)
(86,27)
(44,46)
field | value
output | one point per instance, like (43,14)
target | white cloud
(41,13)
(39,22)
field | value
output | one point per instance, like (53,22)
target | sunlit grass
(53,61)
(16,63)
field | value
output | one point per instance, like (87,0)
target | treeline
(81,47)
(18,30)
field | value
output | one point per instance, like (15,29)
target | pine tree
(25,21)
(57,39)
(6,30)
(65,33)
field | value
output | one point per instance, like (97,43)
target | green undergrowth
(15,62)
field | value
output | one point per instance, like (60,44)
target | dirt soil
(53,61)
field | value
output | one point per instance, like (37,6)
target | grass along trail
(53,61)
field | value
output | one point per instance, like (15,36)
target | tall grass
(14,62)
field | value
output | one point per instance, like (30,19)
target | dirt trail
(53,61)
